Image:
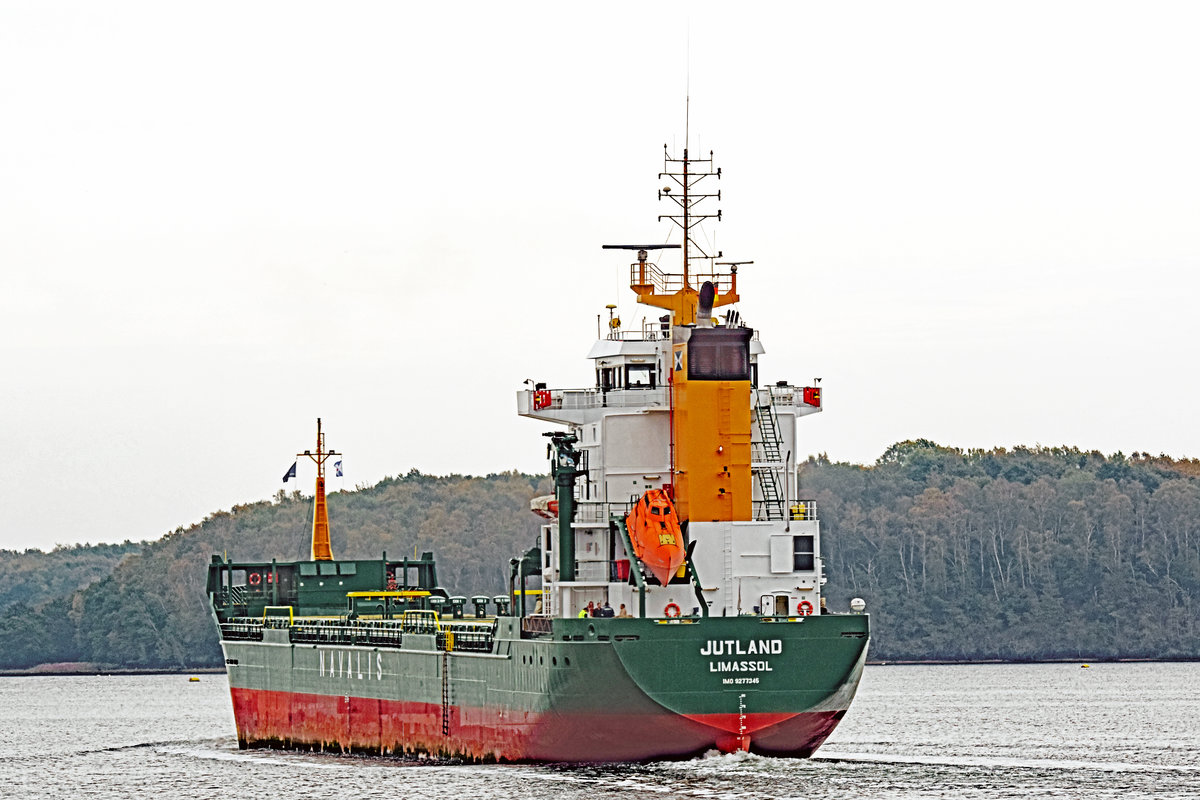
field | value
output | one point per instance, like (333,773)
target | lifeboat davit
(655,534)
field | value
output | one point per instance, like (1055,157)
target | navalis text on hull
(672,605)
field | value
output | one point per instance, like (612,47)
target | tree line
(1028,553)
(151,611)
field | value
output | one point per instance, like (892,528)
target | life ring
(804,607)
(672,610)
(255,579)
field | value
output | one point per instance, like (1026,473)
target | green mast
(564,468)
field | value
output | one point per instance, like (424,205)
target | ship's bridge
(631,372)
(634,365)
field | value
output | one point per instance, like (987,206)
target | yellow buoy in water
(193,679)
(1083,666)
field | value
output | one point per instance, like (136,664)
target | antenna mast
(674,291)
(686,173)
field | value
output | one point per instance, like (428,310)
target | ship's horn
(708,293)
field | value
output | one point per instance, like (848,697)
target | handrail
(414,621)
(583,399)
(803,510)
(619,523)
(291,615)
(671,282)
(458,635)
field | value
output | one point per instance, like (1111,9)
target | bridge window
(608,378)
(639,376)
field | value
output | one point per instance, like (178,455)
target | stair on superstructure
(768,466)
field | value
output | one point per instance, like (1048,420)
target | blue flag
(337,467)
(291,473)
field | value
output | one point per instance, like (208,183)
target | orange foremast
(321,548)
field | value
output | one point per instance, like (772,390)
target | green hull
(578,690)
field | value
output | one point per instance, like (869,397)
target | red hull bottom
(392,727)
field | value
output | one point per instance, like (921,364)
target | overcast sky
(977,223)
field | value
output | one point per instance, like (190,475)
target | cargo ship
(671,606)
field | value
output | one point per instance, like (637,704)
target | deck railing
(455,635)
(580,399)
(670,282)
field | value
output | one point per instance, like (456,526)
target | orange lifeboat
(654,532)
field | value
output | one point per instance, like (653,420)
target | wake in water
(996,761)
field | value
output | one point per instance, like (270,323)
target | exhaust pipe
(708,293)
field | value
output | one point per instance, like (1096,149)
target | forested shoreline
(1022,554)
(1028,554)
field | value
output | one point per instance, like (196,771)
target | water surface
(1043,730)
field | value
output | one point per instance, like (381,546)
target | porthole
(554,661)
(566,661)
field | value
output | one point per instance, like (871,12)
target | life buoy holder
(672,610)
(255,579)
(804,607)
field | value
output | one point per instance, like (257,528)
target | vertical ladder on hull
(767,472)
(445,693)
(727,566)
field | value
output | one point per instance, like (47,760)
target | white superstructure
(678,406)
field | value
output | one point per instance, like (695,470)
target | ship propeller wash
(677,518)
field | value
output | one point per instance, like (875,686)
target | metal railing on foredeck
(243,631)
(455,635)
